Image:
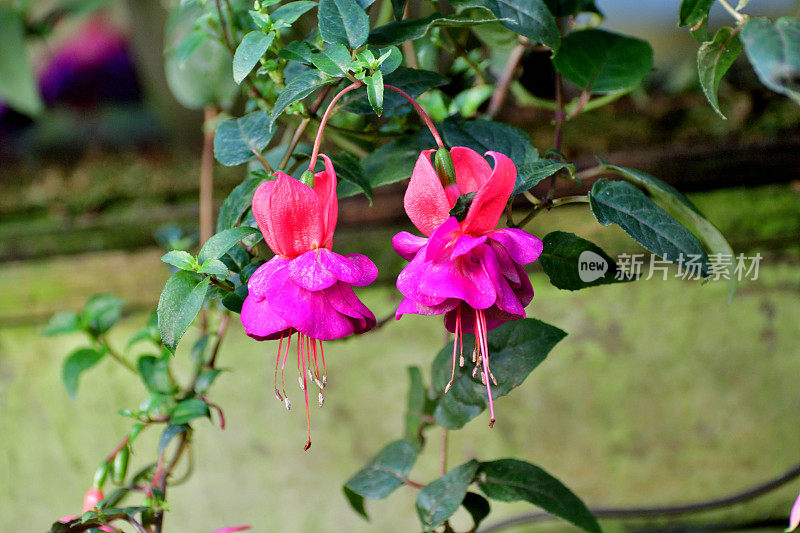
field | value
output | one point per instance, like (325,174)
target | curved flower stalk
(306,289)
(465,269)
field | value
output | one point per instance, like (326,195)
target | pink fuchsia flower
(91,499)
(465,269)
(794,516)
(306,288)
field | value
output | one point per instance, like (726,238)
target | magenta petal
(465,244)
(309,312)
(507,266)
(464,278)
(794,516)
(408,282)
(507,300)
(353,269)
(412,307)
(524,289)
(309,271)
(523,247)
(259,284)
(407,244)
(343,299)
(442,239)
(260,320)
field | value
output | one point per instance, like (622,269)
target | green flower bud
(308,178)
(444,167)
(120,466)
(100,476)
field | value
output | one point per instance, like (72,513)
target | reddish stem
(318,139)
(422,113)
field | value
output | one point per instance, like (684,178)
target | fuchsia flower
(306,288)
(467,270)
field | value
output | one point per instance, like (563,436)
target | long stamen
(301,360)
(283,368)
(460,337)
(481,319)
(277,362)
(324,370)
(453,372)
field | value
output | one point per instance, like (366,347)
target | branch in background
(654,512)
(508,75)
(207,176)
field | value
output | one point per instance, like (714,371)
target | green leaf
(18,88)
(619,202)
(188,45)
(774,52)
(392,60)
(485,135)
(532,19)
(515,350)
(568,8)
(334,60)
(296,89)
(714,58)
(237,202)
(477,506)
(600,61)
(238,140)
(180,259)
(155,375)
(375,91)
(101,312)
(537,170)
(343,22)
(220,243)
(289,13)
(394,161)
(296,51)
(214,267)
(180,301)
(351,176)
(385,472)
(438,500)
(574,263)
(659,189)
(415,407)
(685,212)
(511,480)
(252,48)
(413,81)
(189,409)
(75,364)
(356,501)
(398,32)
(63,322)
(206,379)
(169,433)
(235,300)
(203,77)
(694,11)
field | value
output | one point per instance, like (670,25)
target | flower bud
(307,178)
(92,498)
(100,474)
(445,168)
(120,466)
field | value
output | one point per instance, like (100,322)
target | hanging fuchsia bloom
(306,288)
(466,269)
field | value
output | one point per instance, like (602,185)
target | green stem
(735,14)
